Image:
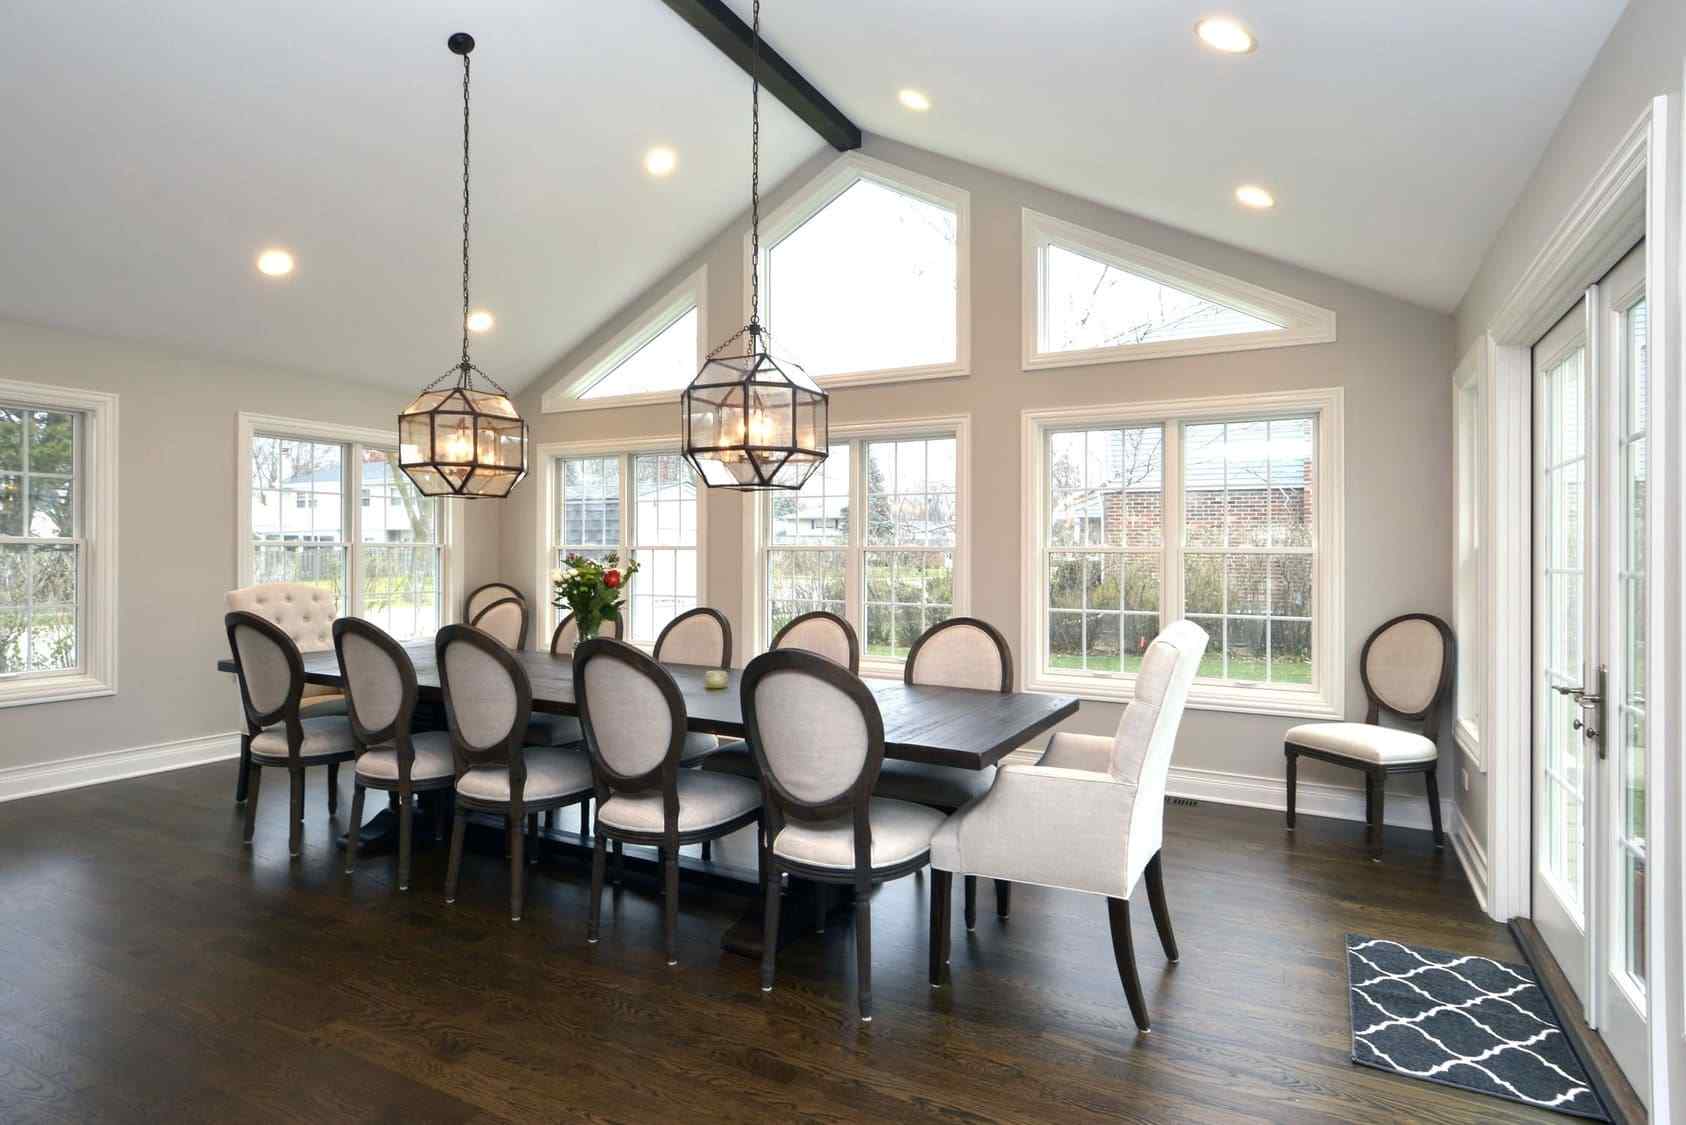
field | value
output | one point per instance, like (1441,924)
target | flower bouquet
(592,590)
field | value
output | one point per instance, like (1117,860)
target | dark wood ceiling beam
(733,38)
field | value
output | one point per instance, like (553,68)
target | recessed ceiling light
(914,100)
(275,262)
(480,320)
(1251,195)
(660,161)
(1227,35)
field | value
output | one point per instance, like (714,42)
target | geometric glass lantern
(463,440)
(754,423)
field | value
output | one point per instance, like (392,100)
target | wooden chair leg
(1293,783)
(670,907)
(406,831)
(770,931)
(1124,953)
(863,950)
(256,777)
(707,850)
(1161,912)
(598,856)
(453,868)
(1369,799)
(585,817)
(353,829)
(550,820)
(1003,898)
(942,888)
(1433,784)
(295,830)
(1378,783)
(517,863)
(333,788)
(243,779)
(971,902)
(620,864)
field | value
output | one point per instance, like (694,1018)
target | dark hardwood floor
(152,969)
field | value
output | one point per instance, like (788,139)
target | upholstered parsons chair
(1089,816)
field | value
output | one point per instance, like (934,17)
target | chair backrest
(488,700)
(818,739)
(961,652)
(505,619)
(823,633)
(482,596)
(566,633)
(1406,666)
(271,671)
(380,686)
(633,716)
(304,612)
(697,636)
(1147,734)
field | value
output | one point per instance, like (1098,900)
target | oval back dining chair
(482,596)
(567,634)
(634,719)
(271,675)
(698,636)
(962,652)
(1089,816)
(823,633)
(1406,667)
(380,684)
(488,699)
(818,740)
(505,619)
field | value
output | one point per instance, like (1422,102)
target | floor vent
(1183,802)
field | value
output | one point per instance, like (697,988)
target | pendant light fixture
(754,423)
(464,439)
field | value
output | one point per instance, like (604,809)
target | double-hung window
(640,504)
(1224,512)
(1469,585)
(892,573)
(330,507)
(57,543)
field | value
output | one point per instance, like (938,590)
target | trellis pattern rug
(1462,1021)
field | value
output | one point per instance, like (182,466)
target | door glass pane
(1629,726)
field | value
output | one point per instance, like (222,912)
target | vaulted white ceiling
(152,149)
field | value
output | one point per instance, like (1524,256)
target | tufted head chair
(698,636)
(304,612)
(961,652)
(824,634)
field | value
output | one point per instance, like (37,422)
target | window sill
(1171,349)
(1277,703)
(26,691)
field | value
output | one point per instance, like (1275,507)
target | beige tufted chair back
(304,612)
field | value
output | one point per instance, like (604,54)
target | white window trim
(1469,469)
(97,596)
(1303,323)
(248,425)
(548,455)
(1326,698)
(756,637)
(842,174)
(565,395)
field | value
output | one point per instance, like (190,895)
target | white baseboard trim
(1313,798)
(1472,856)
(115,765)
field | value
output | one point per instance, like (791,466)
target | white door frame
(1635,195)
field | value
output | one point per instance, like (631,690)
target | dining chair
(1406,667)
(482,596)
(1088,816)
(505,619)
(961,652)
(700,636)
(380,682)
(306,614)
(634,719)
(560,730)
(271,675)
(567,634)
(488,699)
(818,740)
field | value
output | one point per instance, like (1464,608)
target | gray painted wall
(176,539)
(1393,359)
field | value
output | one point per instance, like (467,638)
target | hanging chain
(466,367)
(755,173)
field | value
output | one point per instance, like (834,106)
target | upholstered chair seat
(1363,742)
(321,706)
(433,759)
(706,800)
(1089,815)
(941,787)
(550,773)
(327,735)
(733,758)
(900,832)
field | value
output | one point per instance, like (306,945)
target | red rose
(612,579)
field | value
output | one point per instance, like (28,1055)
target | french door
(1591,592)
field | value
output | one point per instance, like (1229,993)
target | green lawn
(1211,666)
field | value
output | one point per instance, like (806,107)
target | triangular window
(652,359)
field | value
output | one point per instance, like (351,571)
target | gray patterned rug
(1462,1021)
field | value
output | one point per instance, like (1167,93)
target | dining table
(962,728)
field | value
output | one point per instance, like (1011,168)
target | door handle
(1592,730)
